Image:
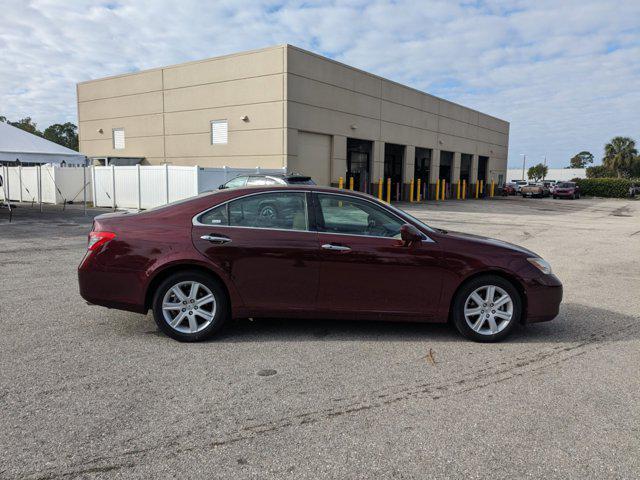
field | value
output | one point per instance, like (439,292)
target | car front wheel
(487,308)
(190,306)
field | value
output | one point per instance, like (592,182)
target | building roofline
(176,65)
(359,70)
(294,47)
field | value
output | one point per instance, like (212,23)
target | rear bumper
(110,289)
(544,296)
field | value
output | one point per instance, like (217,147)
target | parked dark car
(267,180)
(319,253)
(566,190)
(509,189)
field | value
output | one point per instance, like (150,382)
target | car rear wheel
(487,308)
(190,306)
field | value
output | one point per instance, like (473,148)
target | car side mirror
(221,187)
(410,234)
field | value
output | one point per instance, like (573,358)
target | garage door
(314,157)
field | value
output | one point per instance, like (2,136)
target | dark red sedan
(308,252)
(566,190)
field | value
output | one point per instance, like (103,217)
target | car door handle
(216,239)
(339,248)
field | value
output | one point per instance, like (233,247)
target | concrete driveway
(96,393)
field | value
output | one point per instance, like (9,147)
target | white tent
(16,144)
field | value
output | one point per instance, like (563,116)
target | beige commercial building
(287,107)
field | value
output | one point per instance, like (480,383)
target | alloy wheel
(488,310)
(189,307)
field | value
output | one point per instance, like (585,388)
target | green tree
(65,134)
(620,155)
(27,125)
(537,172)
(600,171)
(581,160)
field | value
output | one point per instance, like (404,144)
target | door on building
(359,164)
(393,159)
(314,157)
(465,170)
(421,169)
(483,174)
(446,166)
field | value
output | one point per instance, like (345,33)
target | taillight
(97,239)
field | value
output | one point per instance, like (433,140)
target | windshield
(566,185)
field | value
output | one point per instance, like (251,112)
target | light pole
(524,159)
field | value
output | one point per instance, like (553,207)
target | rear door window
(274,210)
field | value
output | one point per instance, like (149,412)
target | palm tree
(619,154)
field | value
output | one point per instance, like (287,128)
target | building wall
(166,112)
(324,96)
(296,102)
(560,174)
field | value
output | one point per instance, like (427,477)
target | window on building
(219,132)
(118,138)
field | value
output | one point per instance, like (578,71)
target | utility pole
(524,160)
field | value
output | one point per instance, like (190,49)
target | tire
(555,197)
(209,317)
(483,333)
(268,211)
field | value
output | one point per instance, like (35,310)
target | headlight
(540,264)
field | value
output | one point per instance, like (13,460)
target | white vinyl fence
(46,184)
(136,187)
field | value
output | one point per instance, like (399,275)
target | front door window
(351,216)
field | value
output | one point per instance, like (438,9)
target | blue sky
(566,74)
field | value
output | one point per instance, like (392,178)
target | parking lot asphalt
(95,393)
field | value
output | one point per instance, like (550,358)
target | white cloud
(565,74)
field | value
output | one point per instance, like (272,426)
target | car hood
(479,239)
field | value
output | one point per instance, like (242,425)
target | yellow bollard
(443,189)
(380,188)
(437,190)
(389,190)
(350,183)
(493,187)
(464,189)
(458,190)
(411,191)
(418,192)
(481,187)
(477,189)
(340,182)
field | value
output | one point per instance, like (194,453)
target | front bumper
(544,295)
